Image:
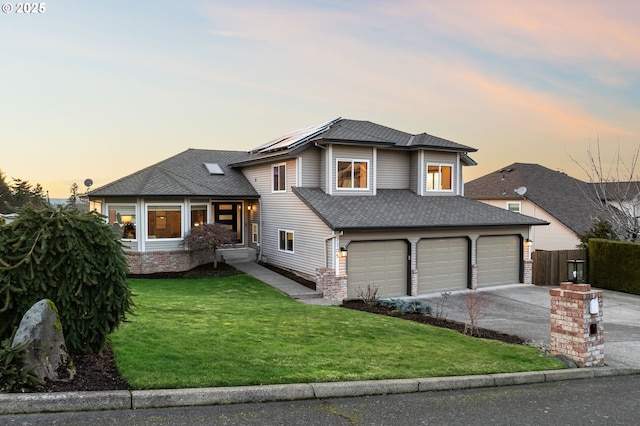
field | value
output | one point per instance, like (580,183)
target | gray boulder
(46,352)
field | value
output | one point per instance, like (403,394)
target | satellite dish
(521,191)
(88,182)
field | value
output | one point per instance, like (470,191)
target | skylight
(214,168)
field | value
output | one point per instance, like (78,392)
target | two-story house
(345,203)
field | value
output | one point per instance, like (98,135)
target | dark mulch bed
(202,271)
(98,372)
(297,278)
(439,322)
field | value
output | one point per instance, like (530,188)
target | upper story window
(164,222)
(279,174)
(514,206)
(439,177)
(122,219)
(352,174)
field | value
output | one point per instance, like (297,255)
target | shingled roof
(185,174)
(562,196)
(345,131)
(404,209)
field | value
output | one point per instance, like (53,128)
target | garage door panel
(442,264)
(498,260)
(378,263)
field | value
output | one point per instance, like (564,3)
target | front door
(229,214)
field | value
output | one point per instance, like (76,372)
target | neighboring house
(566,203)
(346,203)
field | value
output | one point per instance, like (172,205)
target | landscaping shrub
(12,372)
(407,306)
(71,258)
(614,265)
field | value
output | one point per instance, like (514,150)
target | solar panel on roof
(296,137)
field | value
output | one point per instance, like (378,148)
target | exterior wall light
(342,252)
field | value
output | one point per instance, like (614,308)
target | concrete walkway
(287,286)
(518,309)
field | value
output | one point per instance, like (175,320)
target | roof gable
(562,196)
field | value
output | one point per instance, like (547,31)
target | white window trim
(207,213)
(182,218)
(293,238)
(519,203)
(254,233)
(126,205)
(353,160)
(273,166)
(426,176)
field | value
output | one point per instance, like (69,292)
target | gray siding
(392,170)
(311,175)
(286,211)
(413,172)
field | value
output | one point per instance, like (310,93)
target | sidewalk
(287,286)
(518,309)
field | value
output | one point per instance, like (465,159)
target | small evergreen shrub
(407,306)
(71,258)
(12,372)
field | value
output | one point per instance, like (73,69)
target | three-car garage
(442,264)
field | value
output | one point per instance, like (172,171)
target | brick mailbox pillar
(576,324)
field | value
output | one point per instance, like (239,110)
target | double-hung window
(286,240)
(439,177)
(352,174)
(279,174)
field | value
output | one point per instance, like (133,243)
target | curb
(11,403)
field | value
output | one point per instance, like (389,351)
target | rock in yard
(46,352)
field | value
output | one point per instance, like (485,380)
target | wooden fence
(550,267)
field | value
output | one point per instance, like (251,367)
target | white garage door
(498,260)
(443,264)
(377,263)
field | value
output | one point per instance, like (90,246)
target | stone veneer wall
(166,261)
(528,272)
(575,332)
(332,286)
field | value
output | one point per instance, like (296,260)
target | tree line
(18,193)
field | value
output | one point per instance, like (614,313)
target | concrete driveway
(524,310)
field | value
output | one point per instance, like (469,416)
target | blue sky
(102,89)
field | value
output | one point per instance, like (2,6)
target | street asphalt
(519,309)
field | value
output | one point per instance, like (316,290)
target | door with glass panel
(229,215)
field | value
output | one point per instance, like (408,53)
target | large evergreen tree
(71,258)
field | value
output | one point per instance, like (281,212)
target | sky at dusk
(102,89)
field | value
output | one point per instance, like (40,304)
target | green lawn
(239,331)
